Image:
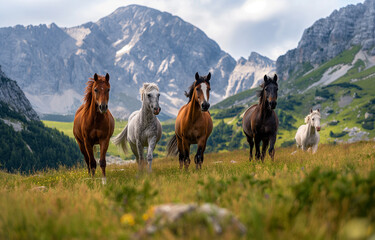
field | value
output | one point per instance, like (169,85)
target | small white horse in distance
(307,135)
(143,128)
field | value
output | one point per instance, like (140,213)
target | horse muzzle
(103,108)
(205,106)
(157,110)
(318,129)
(273,104)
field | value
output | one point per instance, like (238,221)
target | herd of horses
(94,124)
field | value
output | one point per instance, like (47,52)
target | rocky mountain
(26,144)
(332,69)
(134,44)
(328,37)
(12,96)
(248,73)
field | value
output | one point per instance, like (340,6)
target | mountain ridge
(134,44)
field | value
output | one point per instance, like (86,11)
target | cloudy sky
(269,27)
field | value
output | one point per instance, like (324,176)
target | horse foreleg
(150,149)
(141,162)
(102,162)
(264,148)
(314,148)
(257,147)
(90,153)
(186,147)
(198,158)
(251,144)
(271,151)
(84,152)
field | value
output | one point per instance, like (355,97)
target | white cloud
(270,27)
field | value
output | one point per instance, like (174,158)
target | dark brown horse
(193,123)
(94,123)
(260,122)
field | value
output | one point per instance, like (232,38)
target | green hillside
(343,103)
(28,146)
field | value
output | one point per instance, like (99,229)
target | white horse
(307,135)
(143,128)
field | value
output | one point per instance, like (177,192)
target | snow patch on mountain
(78,33)
(60,103)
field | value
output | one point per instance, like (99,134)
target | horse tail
(121,139)
(172,149)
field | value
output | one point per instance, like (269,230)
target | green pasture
(328,195)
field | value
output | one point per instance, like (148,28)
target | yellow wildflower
(149,214)
(127,219)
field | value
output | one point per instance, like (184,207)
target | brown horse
(260,122)
(94,123)
(193,123)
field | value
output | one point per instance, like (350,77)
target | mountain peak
(12,95)
(259,59)
(330,36)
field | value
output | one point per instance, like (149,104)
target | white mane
(148,87)
(309,116)
(307,135)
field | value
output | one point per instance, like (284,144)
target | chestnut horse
(260,122)
(94,123)
(193,123)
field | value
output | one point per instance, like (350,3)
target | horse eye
(96,90)
(108,90)
(313,119)
(158,94)
(148,95)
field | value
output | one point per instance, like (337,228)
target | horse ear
(95,77)
(310,110)
(265,79)
(107,77)
(318,110)
(275,78)
(208,76)
(196,76)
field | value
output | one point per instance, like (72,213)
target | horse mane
(189,94)
(88,93)
(260,93)
(147,87)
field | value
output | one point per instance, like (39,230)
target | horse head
(202,90)
(150,97)
(314,119)
(270,88)
(100,92)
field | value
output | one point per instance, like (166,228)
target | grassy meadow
(329,195)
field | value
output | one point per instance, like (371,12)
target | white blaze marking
(204,89)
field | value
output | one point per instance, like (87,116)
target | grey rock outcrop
(12,96)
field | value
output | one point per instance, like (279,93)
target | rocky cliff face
(12,95)
(328,37)
(134,44)
(248,73)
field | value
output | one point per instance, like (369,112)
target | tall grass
(299,196)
